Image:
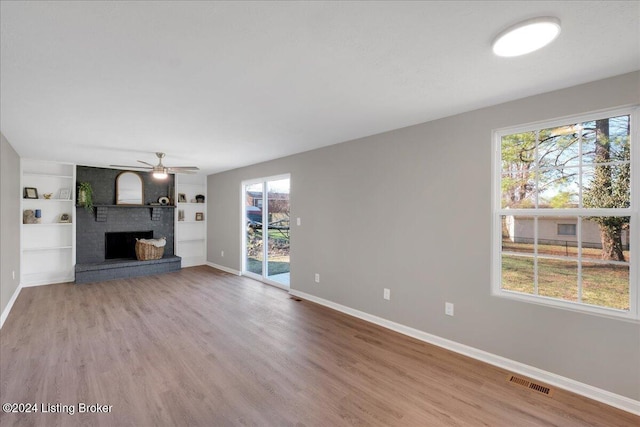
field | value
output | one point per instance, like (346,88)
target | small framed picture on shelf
(180,215)
(65,217)
(182,198)
(30,193)
(199,216)
(65,193)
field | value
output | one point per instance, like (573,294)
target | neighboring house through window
(566,229)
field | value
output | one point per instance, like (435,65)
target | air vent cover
(523,382)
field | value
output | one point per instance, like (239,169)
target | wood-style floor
(201,347)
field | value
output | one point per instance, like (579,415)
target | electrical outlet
(448,308)
(387,294)
(13,275)
(317,278)
(222,253)
(298,221)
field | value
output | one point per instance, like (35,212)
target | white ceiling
(226,84)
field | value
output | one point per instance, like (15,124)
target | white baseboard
(51,282)
(604,396)
(192,261)
(223,268)
(7,309)
(43,280)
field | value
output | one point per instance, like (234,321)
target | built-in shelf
(191,240)
(131,206)
(46,175)
(47,200)
(48,248)
(49,224)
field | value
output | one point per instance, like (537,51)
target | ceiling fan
(161,171)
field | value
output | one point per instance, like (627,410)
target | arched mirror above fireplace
(129,189)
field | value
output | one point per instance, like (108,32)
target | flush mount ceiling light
(526,36)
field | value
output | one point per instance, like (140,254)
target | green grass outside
(274,234)
(602,285)
(275,267)
(560,250)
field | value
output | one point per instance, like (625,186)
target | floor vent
(530,385)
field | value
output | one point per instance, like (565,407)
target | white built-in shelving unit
(47,249)
(190,234)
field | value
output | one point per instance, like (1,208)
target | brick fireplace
(92,263)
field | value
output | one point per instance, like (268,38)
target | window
(565,222)
(566,229)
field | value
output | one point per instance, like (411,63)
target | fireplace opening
(122,244)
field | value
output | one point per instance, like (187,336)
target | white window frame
(633,313)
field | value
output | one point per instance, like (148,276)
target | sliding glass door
(254,248)
(266,230)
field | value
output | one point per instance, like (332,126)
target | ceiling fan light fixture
(160,173)
(526,36)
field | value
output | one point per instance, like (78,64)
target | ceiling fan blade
(193,168)
(160,166)
(173,170)
(130,167)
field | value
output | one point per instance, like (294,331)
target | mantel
(101,210)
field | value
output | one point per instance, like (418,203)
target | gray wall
(410,210)
(9,221)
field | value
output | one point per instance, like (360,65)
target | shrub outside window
(565,221)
